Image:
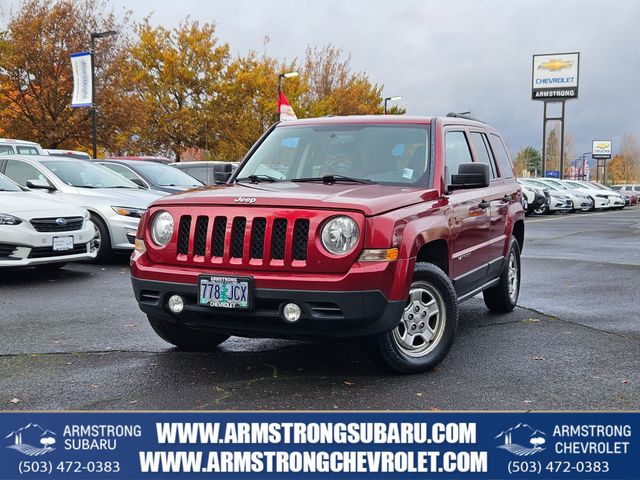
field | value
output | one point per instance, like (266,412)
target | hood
(32,205)
(369,199)
(126,197)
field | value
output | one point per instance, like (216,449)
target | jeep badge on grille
(245,200)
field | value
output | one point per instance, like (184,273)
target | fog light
(176,303)
(291,312)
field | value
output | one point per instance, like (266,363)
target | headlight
(340,235)
(162,228)
(6,219)
(129,211)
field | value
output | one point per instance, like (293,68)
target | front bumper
(22,246)
(123,231)
(324,313)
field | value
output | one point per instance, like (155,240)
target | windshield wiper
(257,178)
(331,179)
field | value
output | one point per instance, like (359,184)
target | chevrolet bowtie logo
(555,64)
(602,145)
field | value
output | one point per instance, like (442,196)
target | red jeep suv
(368,226)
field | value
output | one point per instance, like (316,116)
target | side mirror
(139,182)
(40,184)
(470,175)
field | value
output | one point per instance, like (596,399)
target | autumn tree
(624,167)
(177,74)
(333,89)
(35,73)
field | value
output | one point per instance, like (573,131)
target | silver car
(115,204)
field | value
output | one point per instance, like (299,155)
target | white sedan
(36,230)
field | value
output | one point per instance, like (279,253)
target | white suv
(9,146)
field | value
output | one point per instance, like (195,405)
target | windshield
(555,183)
(599,186)
(79,173)
(534,183)
(393,154)
(7,185)
(166,176)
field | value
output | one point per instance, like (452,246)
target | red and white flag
(286,111)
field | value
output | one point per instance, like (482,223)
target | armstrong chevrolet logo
(555,64)
(248,200)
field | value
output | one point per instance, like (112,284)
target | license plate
(61,244)
(225,292)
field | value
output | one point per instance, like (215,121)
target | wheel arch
(518,233)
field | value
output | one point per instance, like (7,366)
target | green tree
(528,162)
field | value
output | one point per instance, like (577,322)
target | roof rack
(463,115)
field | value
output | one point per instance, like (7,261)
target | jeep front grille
(231,242)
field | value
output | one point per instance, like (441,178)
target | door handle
(484,204)
(506,198)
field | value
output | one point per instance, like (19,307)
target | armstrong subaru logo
(515,439)
(61,221)
(26,438)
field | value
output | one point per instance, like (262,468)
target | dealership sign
(555,76)
(601,149)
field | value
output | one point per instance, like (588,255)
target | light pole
(584,165)
(95,35)
(387,99)
(280,77)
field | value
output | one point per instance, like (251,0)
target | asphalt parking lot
(75,339)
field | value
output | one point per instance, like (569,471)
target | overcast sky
(453,55)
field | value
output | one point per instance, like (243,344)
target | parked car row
(551,195)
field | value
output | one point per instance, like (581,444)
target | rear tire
(504,296)
(427,328)
(186,338)
(102,240)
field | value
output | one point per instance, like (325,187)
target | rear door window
(482,153)
(456,152)
(22,150)
(502,157)
(6,150)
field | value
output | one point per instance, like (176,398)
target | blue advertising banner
(319,445)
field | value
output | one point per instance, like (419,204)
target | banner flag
(285,109)
(82,80)
(299,445)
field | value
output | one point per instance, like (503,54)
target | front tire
(427,328)
(504,296)
(102,240)
(186,338)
